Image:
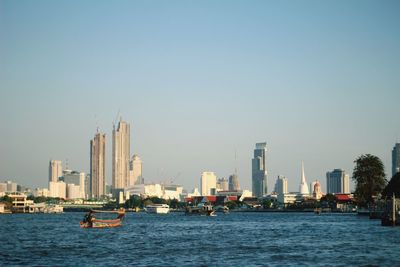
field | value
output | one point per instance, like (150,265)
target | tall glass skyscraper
(337,182)
(259,170)
(396,159)
(120,155)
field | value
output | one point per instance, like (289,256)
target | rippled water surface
(241,239)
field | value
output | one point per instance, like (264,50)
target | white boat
(157,208)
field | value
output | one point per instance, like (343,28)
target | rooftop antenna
(66,164)
(97,123)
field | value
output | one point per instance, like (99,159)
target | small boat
(157,208)
(318,211)
(90,220)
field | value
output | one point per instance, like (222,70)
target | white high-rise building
(76,178)
(135,170)
(58,189)
(208,183)
(337,181)
(73,191)
(55,170)
(281,185)
(98,166)
(120,155)
(303,189)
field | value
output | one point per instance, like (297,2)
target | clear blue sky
(319,81)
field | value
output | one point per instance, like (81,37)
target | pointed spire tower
(303,184)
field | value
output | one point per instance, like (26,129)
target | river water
(241,239)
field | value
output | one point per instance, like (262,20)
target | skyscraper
(208,183)
(222,184)
(98,165)
(135,170)
(259,170)
(55,170)
(120,155)
(396,159)
(303,189)
(234,183)
(337,181)
(281,185)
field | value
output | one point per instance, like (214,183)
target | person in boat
(89,218)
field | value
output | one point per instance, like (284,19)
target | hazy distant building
(58,189)
(3,187)
(317,193)
(135,170)
(76,178)
(303,188)
(222,184)
(281,185)
(98,165)
(73,191)
(337,181)
(259,170)
(120,155)
(88,189)
(396,159)
(234,183)
(208,183)
(55,170)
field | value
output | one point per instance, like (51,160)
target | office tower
(55,170)
(281,185)
(222,184)
(98,165)
(234,183)
(396,159)
(88,189)
(135,170)
(337,181)
(58,189)
(208,183)
(303,189)
(120,155)
(76,178)
(259,170)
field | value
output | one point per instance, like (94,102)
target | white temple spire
(303,184)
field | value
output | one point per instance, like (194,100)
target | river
(241,239)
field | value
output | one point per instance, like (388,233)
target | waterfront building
(55,170)
(222,184)
(396,159)
(259,170)
(120,155)
(234,183)
(337,182)
(208,183)
(135,171)
(58,189)
(41,192)
(281,185)
(97,166)
(288,198)
(303,189)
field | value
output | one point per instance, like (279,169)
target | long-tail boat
(90,220)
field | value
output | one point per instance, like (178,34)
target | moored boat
(201,209)
(90,220)
(157,208)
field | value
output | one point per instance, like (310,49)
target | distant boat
(90,220)
(157,208)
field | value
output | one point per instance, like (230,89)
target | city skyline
(198,82)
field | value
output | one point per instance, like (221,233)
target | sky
(199,81)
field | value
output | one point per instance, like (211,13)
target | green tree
(393,186)
(266,203)
(369,176)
